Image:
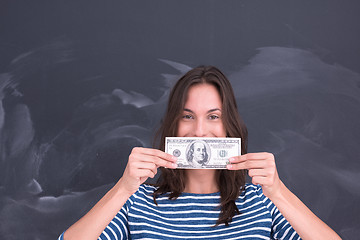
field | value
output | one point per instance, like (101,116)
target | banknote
(195,152)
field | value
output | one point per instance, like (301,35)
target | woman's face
(202,113)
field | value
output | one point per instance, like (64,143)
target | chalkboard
(83,82)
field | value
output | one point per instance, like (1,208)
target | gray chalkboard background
(83,82)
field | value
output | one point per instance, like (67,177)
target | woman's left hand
(263,171)
(261,168)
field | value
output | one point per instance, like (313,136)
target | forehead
(203,95)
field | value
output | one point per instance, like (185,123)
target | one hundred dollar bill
(196,153)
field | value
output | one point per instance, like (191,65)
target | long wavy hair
(230,183)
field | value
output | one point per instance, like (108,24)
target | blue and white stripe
(193,216)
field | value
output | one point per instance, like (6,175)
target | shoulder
(252,192)
(145,189)
(144,193)
(252,189)
(252,198)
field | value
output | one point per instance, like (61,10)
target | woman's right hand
(143,164)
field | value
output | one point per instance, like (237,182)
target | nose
(200,128)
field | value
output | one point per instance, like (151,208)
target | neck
(201,181)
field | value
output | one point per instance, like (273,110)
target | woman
(200,203)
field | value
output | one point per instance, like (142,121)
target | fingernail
(229,166)
(174,165)
(174,158)
(231,159)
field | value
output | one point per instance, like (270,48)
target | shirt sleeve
(281,228)
(61,237)
(118,228)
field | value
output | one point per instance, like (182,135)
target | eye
(213,117)
(187,116)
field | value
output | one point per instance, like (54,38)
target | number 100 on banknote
(211,153)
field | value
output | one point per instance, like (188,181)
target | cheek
(181,130)
(219,130)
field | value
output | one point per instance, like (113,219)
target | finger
(163,163)
(136,167)
(145,173)
(160,158)
(237,159)
(263,181)
(257,156)
(155,152)
(259,180)
(146,165)
(257,173)
(160,154)
(159,162)
(252,156)
(249,164)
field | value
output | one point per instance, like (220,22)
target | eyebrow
(211,110)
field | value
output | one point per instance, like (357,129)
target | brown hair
(230,183)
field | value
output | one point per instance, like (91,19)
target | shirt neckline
(199,194)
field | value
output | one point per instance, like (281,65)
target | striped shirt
(193,216)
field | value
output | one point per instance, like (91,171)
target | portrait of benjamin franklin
(198,154)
